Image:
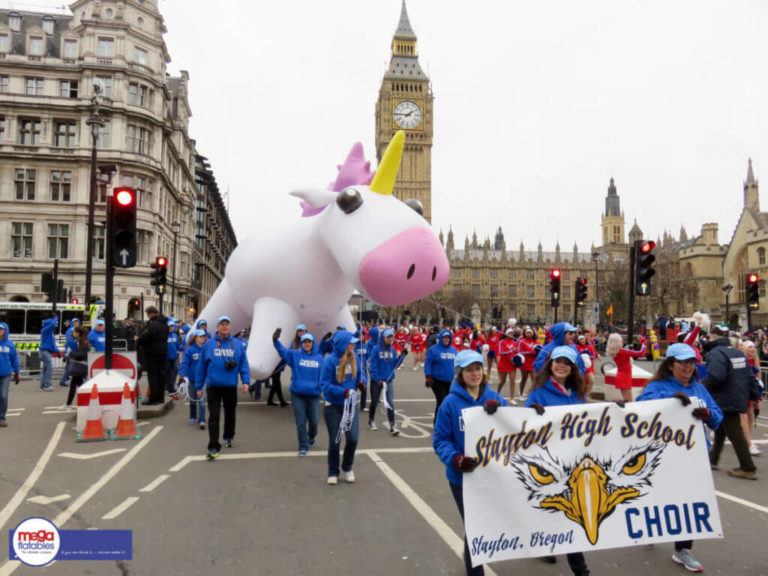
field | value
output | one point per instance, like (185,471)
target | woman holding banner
(469,388)
(676,378)
(560,383)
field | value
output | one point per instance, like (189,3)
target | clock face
(407,114)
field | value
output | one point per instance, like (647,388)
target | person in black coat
(153,345)
(731,382)
(77,364)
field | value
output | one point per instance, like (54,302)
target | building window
(99,242)
(58,241)
(68,88)
(106,48)
(138,140)
(133,94)
(21,239)
(105,135)
(61,186)
(47,24)
(531,311)
(513,291)
(566,291)
(494,291)
(456,274)
(105,83)
(143,239)
(145,97)
(761,256)
(4,43)
(494,274)
(109,12)
(475,274)
(475,291)
(65,134)
(530,275)
(25,184)
(531,291)
(140,56)
(143,192)
(35,46)
(70,49)
(33,86)
(4,84)
(29,131)
(2,128)
(14,22)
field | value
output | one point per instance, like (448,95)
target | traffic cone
(126,424)
(94,429)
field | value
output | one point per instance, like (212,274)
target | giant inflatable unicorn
(355,235)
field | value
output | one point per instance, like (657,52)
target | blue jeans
(196,409)
(5,383)
(376,394)
(332,414)
(46,358)
(458,495)
(305,408)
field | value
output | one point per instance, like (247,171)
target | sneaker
(395,431)
(3,424)
(372,425)
(201,425)
(63,407)
(311,441)
(548,559)
(743,474)
(365,408)
(192,421)
(685,558)
(212,454)
(415,368)
(302,452)
(754,450)
(48,389)
(348,477)
(333,480)
(229,443)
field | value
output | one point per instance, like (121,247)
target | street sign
(125,258)
(160,289)
(123,363)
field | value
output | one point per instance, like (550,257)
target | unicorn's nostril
(411,270)
(434,273)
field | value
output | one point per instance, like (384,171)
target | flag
(610,310)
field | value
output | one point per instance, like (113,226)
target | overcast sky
(537,106)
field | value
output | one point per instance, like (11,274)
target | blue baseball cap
(568,327)
(197,333)
(388,332)
(301,327)
(467,357)
(681,352)
(341,327)
(171,322)
(223,319)
(307,336)
(75,320)
(202,321)
(565,352)
(99,322)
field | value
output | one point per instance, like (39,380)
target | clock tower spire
(405,103)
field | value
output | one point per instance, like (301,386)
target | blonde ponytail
(341,371)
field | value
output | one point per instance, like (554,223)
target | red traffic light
(75,301)
(161,261)
(583,281)
(555,273)
(648,246)
(124,197)
(753,278)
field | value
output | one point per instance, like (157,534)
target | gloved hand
(428,383)
(361,387)
(276,335)
(199,393)
(683,397)
(539,409)
(465,463)
(328,336)
(620,403)
(537,348)
(701,413)
(16,379)
(490,406)
(405,352)
(641,339)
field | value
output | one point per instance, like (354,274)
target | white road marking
(24,489)
(155,483)
(57,411)
(743,502)
(92,455)
(120,508)
(454,541)
(45,500)
(9,415)
(16,409)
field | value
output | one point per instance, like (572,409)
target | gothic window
(761,256)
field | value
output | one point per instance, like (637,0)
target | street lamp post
(727,289)
(176,227)
(95,124)
(596,259)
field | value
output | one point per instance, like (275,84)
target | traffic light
(644,259)
(159,273)
(581,291)
(753,291)
(122,227)
(554,286)
(75,301)
(47,286)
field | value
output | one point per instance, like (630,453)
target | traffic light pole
(55,287)
(109,283)
(632,265)
(749,316)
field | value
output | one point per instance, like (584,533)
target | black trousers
(74,384)
(218,395)
(731,428)
(156,378)
(440,389)
(276,388)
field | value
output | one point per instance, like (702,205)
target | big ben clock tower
(405,103)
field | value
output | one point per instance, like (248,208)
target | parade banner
(586,477)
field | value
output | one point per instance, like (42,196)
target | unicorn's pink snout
(405,268)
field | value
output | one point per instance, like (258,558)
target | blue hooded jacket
(173,343)
(305,369)
(9,360)
(47,339)
(373,339)
(97,340)
(211,368)
(361,353)
(71,343)
(558,339)
(333,391)
(439,360)
(549,395)
(189,362)
(383,362)
(659,389)
(448,439)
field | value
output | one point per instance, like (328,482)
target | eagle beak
(588,496)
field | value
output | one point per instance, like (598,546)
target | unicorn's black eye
(415,205)
(349,200)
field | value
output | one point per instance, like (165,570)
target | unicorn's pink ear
(315,197)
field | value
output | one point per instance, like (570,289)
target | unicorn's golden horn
(384,181)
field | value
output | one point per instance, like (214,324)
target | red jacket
(526,348)
(507,350)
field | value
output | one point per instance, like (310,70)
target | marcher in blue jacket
(563,334)
(470,388)
(676,378)
(47,349)
(305,365)
(223,360)
(361,352)
(172,358)
(560,383)
(97,337)
(383,363)
(70,345)
(9,364)
(438,367)
(188,371)
(337,380)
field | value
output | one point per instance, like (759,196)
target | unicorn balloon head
(383,246)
